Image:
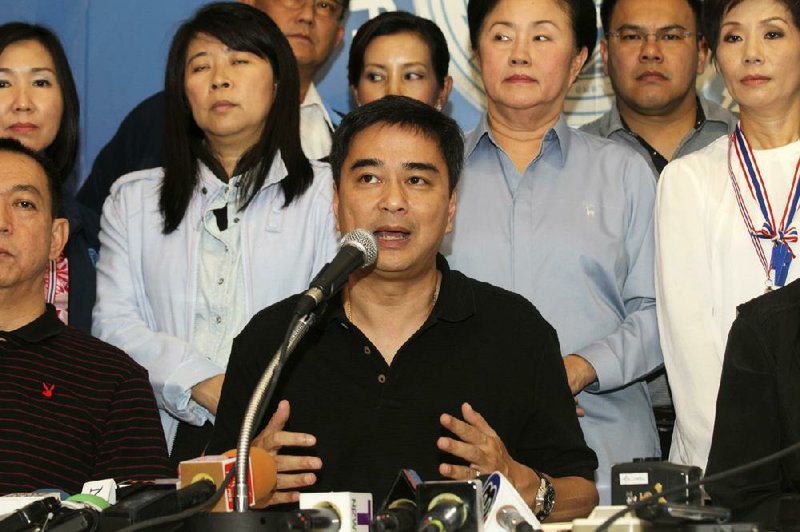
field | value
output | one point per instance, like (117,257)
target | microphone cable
(703,481)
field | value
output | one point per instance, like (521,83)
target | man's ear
(336,206)
(59,233)
(451,213)
(339,35)
(702,55)
(604,54)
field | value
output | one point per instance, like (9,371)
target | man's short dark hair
(406,113)
(9,145)
(607,12)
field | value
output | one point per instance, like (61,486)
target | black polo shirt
(73,409)
(481,344)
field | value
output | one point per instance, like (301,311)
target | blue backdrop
(117,49)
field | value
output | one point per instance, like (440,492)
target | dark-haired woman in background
(402,54)
(563,218)
(39,107)
(236,220)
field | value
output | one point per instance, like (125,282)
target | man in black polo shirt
(72,408)
(397,369)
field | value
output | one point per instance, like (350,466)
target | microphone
(262,474)
(313,520)
(399,516)
(451,505)
(357,249)
(504,509)
(446,513)
(30,515)
(398,512)
(511,520)
(353,511)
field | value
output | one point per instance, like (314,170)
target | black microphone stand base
(236,521)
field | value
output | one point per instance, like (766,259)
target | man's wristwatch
(545,498)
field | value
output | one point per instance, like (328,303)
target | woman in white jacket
(236,220)
(725,215)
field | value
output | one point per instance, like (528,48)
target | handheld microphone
(30,515)
(313,520)
(504,509)
(450,505)
(446,513)
(357,249)
(511,520)
(353,510)
(399,516)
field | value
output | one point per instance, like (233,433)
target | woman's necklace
(782,233)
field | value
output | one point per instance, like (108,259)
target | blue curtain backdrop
(117,49)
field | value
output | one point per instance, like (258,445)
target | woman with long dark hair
(39,107)
(236,220)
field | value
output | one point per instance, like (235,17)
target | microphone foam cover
(264,469)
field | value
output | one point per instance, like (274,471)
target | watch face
(549,498)
(545,499)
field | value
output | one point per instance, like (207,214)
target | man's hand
(580,373)
(477,444)
(208,392)
(290,475)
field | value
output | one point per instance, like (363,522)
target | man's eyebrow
(637,27)
(26,188)
(414,165)
(364,163)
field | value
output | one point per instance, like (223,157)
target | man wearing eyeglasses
(314,29)
(653,52)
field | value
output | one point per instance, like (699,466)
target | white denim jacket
(147,281)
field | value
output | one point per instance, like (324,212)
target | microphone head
(265,472)
(365,242)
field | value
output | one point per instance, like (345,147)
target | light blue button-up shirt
(573,234)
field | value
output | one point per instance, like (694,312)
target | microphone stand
(263,391)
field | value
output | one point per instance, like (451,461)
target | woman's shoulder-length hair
(244,28)
(64,148)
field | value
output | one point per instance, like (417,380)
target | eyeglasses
(323,8)
(665,36)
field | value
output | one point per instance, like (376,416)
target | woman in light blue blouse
(562,217)
(236,220)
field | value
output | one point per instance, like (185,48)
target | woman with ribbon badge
(726,223)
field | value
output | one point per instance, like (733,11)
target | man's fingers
(286,463)
(473,417)
(284,497)
(467,452)
(295,480)
(462,429)
(279,418)
(458,472)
